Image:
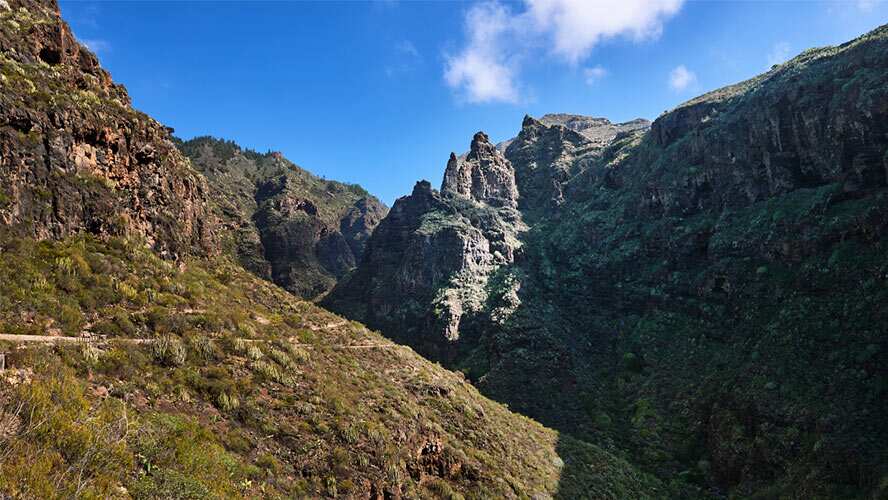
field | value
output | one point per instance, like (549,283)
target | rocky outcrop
(815,120)
(483,175)
(599,131)
(284,223)
(427,266)
(545,158)
(74,156)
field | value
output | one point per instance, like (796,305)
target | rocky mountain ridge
(428,263)
(284,223)
(705,297)
(598,130)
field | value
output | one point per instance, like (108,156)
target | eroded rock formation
(284,223)
(74,155)
(427,266)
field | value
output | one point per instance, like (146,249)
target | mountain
(596,129)
(139,359)
(705,296)
(76,155)
(284,223)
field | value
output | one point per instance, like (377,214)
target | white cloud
(681,78)
(779,53)
(498,39)
(97,46)
(866,5)
(482,70)
(594,74)
(575,27)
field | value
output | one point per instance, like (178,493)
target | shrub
(281,358)
(168,351)
(267,370)
(90,353)
(227,402)
(64,441)
(254,352)
(204,347)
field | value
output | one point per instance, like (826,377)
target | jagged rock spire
(484,175)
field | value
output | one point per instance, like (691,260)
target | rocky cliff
(284,223)
(707,296)
(600,131)
(483,175)
(74,155)
(427,267)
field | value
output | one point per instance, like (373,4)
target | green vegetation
(287,224)
(239,389)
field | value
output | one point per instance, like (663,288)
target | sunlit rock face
(426,268)
(483,175)
(74,155)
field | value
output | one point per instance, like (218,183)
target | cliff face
(285,224)
(483,175)
(74,155)
(427,267)
(544,159)
(707,296)
(813,121)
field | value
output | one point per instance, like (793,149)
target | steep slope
(428,265)
(210,382)
(128,374)
(706,297)
(285,224)
(74,155)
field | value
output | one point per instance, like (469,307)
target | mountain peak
(597,129)
(423,187)
(530,121)
(484,175)
(479,140)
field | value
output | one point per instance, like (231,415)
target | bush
(227,402)
(204,347)
(169,351)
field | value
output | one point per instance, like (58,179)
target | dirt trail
(50,339)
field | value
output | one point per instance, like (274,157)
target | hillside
(706,297)
(203,380)
(141,360)
(284,223)
(76,155)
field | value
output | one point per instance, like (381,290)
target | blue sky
(380,93)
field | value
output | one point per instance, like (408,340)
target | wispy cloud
(867,5)
(779,53)
(499,40)
(407,56)
(681,78)
(97,46)
(406,47)
(594,74)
